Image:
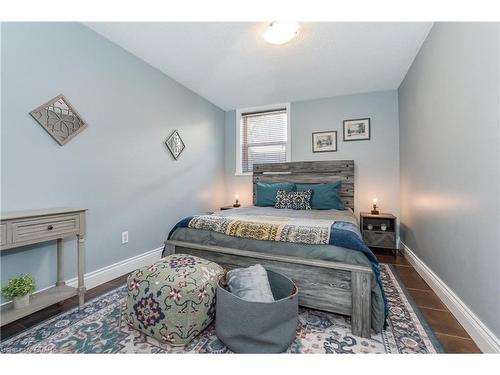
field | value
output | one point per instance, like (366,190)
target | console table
(23,228)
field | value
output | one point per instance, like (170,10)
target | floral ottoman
(173,300)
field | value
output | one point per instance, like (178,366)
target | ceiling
(231,65)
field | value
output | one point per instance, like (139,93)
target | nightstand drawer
(48,227)
(377,238)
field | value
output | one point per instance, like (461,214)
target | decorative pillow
(324,196)
(294,200)
(265,194)
(250,284)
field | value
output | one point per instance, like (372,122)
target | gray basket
(258,327)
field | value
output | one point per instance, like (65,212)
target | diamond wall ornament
(59,119)
(175,144)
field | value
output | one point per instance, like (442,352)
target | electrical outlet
(124,237)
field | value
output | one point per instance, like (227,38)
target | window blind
(263,138)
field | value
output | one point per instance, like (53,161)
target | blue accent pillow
(324,196)
(265,194)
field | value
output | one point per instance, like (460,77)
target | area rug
(99,328)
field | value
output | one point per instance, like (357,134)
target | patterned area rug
(99,328)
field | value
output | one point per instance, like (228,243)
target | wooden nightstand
(376,237)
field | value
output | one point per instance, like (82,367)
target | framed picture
(324,141)
(357,129)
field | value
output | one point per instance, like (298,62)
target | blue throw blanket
(342,234)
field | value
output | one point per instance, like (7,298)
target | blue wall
(376,161)
(450,162)
(118,167)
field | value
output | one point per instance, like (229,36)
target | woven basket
(258,327)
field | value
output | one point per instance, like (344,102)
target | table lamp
(236,203)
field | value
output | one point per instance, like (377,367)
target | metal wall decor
(59,119)
(175,144)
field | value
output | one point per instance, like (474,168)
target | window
(262,137)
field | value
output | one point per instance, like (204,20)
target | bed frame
(324,285)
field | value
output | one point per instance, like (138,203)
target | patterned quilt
(267,228)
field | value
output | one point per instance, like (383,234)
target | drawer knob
(50,227)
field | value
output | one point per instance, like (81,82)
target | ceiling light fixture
(281,32)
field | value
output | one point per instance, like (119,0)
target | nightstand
(376,237)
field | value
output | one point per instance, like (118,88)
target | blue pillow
(265,194)
(324,196)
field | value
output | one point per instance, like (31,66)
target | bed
(329,277)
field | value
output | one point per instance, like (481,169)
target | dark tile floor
(448,330)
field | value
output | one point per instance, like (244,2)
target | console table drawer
(47,227)
(3,234)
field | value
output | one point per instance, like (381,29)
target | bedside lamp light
(236,203)
(375,211)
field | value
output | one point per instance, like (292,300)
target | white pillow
(250,284)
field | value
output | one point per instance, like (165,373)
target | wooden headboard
(309,172)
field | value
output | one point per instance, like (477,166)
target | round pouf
(258,327)
(173,300)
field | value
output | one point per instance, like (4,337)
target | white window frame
(240,111)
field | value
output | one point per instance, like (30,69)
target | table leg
(81,269)
(60,263)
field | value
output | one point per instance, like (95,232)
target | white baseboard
(105,274)
(482,336)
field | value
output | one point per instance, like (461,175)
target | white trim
(480,333)
(105,274)
(238,171)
